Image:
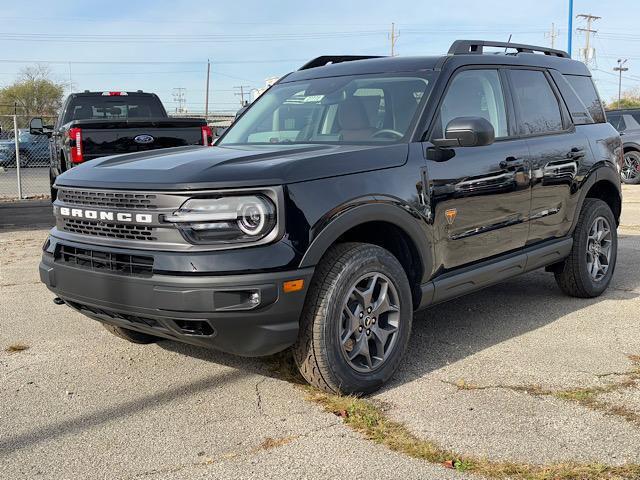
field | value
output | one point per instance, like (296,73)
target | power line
(588,53)
(241,93)
(552,35)
(179,97)
(620,68)
(393,36)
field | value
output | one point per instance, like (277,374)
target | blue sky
(167,43)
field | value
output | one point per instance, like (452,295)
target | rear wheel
(588,269)
(356,321)
(630,172)
(130,335)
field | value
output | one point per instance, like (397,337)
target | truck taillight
(207,136)
(75,145)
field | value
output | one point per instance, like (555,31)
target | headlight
(246,218)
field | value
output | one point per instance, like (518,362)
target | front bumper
(205,310)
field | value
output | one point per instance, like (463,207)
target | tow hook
(58,301)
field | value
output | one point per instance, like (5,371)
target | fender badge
(450,215)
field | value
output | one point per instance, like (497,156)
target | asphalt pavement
(478,378)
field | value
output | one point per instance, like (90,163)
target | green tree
(33,93)
(628,99)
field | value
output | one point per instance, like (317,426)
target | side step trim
(469,279)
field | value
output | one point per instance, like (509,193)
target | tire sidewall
(370,259)
(596,209)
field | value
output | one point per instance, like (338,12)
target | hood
(195,168)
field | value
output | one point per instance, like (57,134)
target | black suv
(627,122)
(352,193)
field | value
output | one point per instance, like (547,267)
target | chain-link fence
(24,158)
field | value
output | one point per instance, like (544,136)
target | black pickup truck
(97,124)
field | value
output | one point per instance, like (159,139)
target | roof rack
(330,59)
(466,47)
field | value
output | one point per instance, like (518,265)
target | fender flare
(632,145)
(370,212)
(602,173)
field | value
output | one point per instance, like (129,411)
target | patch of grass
(17,347)
(367,419)
(586,397)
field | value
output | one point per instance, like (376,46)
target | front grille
(140,320)
(110,230)
(121,200)
(120,263)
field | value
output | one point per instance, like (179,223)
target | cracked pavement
(81,403)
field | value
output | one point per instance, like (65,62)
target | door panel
(557,151)
(555,163)
(487,191)
(481,195)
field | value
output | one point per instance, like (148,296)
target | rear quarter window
(587,93)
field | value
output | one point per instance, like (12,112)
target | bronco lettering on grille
(105,216)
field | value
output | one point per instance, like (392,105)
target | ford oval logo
(144,139)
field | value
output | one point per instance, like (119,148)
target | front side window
(474,93)
(539,111)
(347,109)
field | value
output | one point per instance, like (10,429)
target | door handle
(510,162)
(576,152)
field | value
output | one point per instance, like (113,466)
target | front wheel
(587,271)
(630,172)
(356,321)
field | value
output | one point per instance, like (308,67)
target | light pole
(620,68)
(570,28)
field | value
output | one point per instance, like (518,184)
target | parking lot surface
(516,372)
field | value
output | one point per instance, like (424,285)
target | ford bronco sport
(352,193)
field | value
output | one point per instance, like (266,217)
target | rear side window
(538,108)
(586,91)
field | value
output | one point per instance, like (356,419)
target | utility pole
(570,29)
(620,68)
(553,34)
(179,96)
(393,37)
(206,95)
(586,52)
(241,94)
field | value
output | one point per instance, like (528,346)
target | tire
(130,335)
(630,173)
(575,275)
(54,191)
(319,353)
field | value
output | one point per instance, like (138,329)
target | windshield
(353,109)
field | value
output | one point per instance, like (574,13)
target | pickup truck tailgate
(101,138)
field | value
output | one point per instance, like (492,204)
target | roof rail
(466,47)
(329,59)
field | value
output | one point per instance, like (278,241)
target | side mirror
(36,127)
(467,132)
